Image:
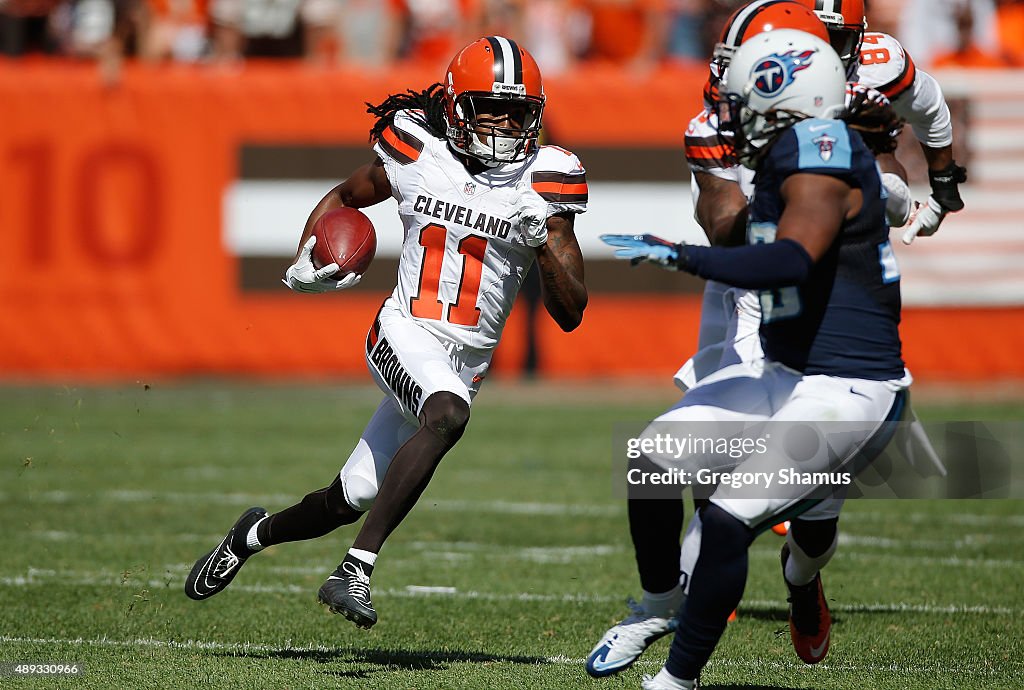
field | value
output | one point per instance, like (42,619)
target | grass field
(506,573)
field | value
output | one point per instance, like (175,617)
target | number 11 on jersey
(427,304)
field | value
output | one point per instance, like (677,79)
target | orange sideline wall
(112,264)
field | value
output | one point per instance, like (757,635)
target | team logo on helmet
(773,73)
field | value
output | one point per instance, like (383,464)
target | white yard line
(952,518)
(43,577)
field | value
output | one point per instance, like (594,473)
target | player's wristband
(944,186)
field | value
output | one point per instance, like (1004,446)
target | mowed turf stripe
(77,579)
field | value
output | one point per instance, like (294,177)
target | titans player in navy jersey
(818,253)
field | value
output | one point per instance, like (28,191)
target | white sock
(690,551)
(667,680)
(801,568)
(664,604)
(367,557)
(252,542)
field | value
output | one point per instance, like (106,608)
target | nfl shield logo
(469,189)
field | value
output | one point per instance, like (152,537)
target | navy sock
(716,587)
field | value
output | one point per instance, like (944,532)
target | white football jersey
(706,153)
(724,307)
(915,95)
(463,259)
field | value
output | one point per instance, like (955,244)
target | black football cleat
(215,571)
(347,592)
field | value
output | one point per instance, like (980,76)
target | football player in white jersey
(878,60)
(480,201)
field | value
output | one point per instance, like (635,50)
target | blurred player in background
(819,253)
(480,202)
(879,61)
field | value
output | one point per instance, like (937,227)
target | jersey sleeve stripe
(554,198)
(556,187)
(702,141)
(895,88)
(708,152)
(560,178)
(400,145)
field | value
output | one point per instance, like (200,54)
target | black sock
(814,537)
(349,558)
(716,587)
(655,526)
(320,512)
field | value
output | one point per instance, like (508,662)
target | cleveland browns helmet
(753,19)
(846,22)
(494,100)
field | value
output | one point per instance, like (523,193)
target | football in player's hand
(344,236)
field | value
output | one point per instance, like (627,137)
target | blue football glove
(641,248)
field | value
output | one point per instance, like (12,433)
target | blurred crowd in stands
(634,34)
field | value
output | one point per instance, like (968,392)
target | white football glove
(530,216)
(925,220)
(302,276)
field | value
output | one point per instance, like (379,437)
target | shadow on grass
(773,615)
(746,687)
(406,659)
(782,615)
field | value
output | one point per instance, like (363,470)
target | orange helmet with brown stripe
(846,22)
(752,19)
(494,100)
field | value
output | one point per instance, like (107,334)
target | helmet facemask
(845,37)
(751,133)
(716,71)
(496,128)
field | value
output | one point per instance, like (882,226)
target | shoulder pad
(403,140)
(885,65)
(819,144)
(705,150)
(558,176)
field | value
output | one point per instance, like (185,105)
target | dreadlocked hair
(427,107)
(871,114)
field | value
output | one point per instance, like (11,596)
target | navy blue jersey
(844,319)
